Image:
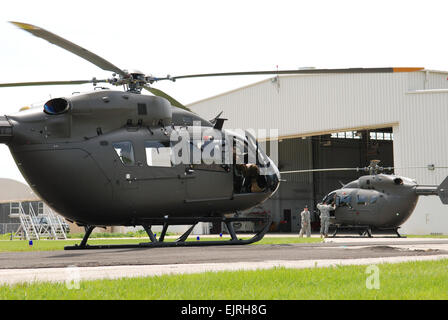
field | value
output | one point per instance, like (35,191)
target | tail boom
(440,190)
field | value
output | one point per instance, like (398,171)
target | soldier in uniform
(306,222)
(325,217)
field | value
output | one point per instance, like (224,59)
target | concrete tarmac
(63,266)
(333,249)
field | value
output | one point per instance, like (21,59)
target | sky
(183,37)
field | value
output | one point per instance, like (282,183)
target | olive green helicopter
(376,202)
(108,157)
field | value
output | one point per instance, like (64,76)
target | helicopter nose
(277,172)
(5,130)
(273,175)
(277,176)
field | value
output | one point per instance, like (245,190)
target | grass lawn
(412,280)
(7,245)
(437,236)
(47,245)
(136,234)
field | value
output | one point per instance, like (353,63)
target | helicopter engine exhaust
(5,130)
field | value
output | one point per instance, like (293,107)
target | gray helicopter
(377,201)
(106,157)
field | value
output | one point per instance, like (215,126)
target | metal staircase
(26,230)
(38,225)
(56,222)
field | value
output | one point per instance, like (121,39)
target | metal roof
(15,191)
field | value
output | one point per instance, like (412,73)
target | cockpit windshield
(329,199)
(344,200)
(257,152)
(252,169)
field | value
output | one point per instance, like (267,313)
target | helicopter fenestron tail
(5,130)
(440,190)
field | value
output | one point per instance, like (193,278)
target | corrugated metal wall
(5,211)
(8,224)
(314,104)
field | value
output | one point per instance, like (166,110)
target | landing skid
(182,240)
(367,231)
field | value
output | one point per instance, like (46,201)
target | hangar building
(15,194)
(345,120)
(14,191)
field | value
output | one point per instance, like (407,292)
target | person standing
(305,223)
(325,217)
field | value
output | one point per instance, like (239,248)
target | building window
(374,135)
(346,135)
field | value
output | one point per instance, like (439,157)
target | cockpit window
(158,154)
(329,199)
(344,200)
(361,199)
(257,153)
(125,152)
(213,152)
(240,152)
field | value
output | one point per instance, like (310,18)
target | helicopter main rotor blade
(429,167)
(323,170)
(69,46)
(50,83)
(303,71)
(162,94)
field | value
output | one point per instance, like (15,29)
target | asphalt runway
(341,249)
